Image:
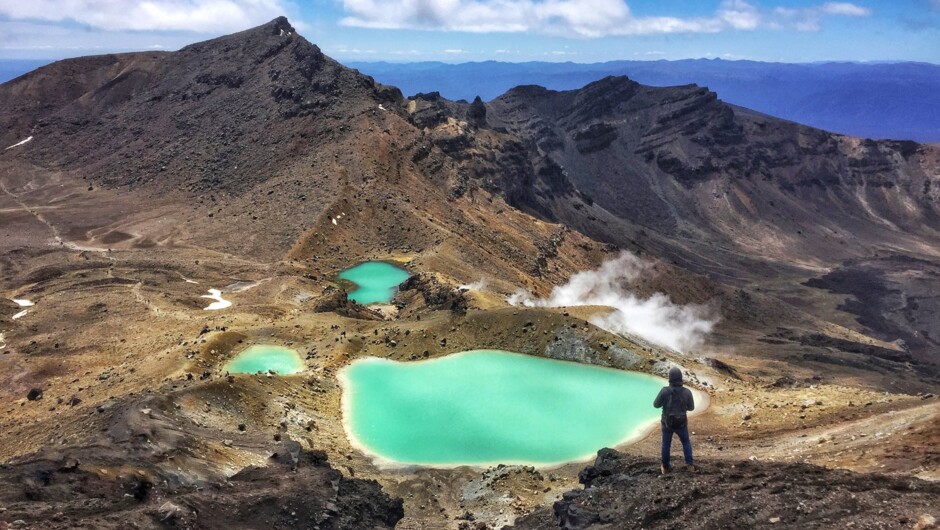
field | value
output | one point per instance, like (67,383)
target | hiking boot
(663,469)
(690,468)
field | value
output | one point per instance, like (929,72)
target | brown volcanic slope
(744,198)
(258,141)
(255,164)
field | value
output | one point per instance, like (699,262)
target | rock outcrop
(621,491)
(122,482)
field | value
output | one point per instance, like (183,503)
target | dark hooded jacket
(675,389)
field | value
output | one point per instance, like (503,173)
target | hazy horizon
(458,31)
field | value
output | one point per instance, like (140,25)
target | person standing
(676,401)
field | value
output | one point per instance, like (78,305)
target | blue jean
(667,443)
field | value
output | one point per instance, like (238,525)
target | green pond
(264,358)
(375,280)
(488,407)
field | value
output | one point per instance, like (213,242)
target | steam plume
(478,285)
(656,319)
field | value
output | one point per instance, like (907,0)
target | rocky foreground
(298,490)
(143,471)
(622,491)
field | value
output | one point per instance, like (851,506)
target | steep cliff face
(686,165)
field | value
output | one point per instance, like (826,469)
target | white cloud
(576,18)
(44,40)
(656,319)
(201,16)
(809,18)
(845,8)
(478,285)
(738,14)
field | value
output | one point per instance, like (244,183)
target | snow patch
(244,285)
(19,143)
(220,303)
(22,302)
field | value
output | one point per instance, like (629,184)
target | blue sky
(506,30)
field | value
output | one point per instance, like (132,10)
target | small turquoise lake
(486,407)
(265,358)
(375,281)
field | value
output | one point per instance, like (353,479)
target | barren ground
(123,352)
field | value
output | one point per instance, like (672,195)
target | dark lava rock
(722,367)
(622,491)
(34,394)
(432,109)
(337,301)
(476,114)
(297,489)
(785,381)
(69,464)
(435,294)
(595,137)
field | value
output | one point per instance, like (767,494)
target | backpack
(675,410)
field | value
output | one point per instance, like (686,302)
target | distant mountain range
(872,100)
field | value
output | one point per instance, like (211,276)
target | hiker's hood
(675,377)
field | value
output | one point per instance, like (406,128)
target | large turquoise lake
(264,358)
(488,407)
(375,281)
